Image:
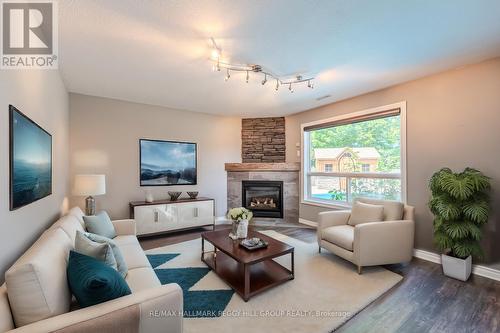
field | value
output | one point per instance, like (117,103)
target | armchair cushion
(363,213)
(342,235)
(393,210)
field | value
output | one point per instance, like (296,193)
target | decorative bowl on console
(174,195)
(192,195)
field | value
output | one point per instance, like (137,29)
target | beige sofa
(369,244)
(36,297)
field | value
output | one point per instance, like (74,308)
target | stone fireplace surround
(286,172)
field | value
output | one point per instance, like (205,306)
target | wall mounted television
(167,163)
(30,160)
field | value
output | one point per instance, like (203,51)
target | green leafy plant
(337,195)
(460,204)
(239,213)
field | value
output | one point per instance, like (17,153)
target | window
(358,155)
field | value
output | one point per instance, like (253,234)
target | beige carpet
(326,291)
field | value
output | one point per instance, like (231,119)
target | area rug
(325,293)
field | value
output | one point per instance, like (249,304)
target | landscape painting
(165,163)
(30,160)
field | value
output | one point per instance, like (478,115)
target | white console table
(166,216)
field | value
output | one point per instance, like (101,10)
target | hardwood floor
(425,300)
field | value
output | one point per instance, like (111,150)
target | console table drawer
(166,216)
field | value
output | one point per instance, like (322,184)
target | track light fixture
(216,57)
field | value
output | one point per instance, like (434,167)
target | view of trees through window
(371,148)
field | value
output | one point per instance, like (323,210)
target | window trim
(305,165)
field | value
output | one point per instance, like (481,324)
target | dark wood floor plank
(424,301)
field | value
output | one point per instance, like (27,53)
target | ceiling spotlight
(310,85)
(215,54)
(290,88)
(248,76)
(265,79)
(227,76)
(277,85)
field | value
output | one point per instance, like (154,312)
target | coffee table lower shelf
(262,275)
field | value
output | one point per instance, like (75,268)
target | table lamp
(89,185)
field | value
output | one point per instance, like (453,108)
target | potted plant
(460,204)
(240,217)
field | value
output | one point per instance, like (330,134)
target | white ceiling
(157,51)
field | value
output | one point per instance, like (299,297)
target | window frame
(306,197)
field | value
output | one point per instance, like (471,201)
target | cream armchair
(371,243)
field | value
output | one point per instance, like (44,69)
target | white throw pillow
(100,251)
(365,213)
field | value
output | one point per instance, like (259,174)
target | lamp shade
(89,185)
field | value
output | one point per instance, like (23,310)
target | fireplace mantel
(255,167)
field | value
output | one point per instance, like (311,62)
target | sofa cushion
(125,240)
(393,210)
(341,235)
(6,321)
(364,213)
(134,256)
(36,284)
(100,224)
(96,250)
(142,278)
(78,213)
(120,261)
(93,282)
(70,225)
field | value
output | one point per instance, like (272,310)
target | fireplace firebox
(264,198)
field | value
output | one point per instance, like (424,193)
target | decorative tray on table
(253,244)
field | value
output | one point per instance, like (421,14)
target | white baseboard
(479,270)
(307,222)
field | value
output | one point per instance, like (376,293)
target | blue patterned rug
(197,303)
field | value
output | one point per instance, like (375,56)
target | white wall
(105,137)
(41,95)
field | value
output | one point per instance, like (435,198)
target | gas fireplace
(264,198)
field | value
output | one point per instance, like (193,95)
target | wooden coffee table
(247,272)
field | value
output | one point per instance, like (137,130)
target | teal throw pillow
(93,282)
(120,261)
(100,224)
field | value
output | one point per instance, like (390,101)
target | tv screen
(30,160)
(165,163)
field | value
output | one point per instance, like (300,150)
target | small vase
(234,230)
(242,230)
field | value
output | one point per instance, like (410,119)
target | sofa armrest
(152,310)
(124,227)
(387,242)
(330,219)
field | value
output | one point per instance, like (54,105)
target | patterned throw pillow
(120,261)
(93,282)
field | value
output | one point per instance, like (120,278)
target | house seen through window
(354,158)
